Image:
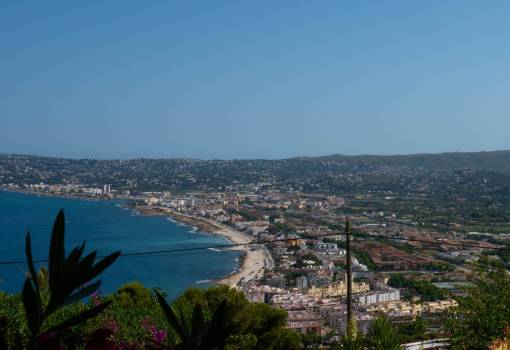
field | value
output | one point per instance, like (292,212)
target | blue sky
(253,79)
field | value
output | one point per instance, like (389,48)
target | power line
(233,245)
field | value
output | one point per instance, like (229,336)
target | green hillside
(498,161)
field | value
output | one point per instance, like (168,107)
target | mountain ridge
(498,161)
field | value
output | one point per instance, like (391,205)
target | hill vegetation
(497,161)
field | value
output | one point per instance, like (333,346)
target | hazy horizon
(298,156)
(253,81)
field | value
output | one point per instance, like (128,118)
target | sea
(108,226)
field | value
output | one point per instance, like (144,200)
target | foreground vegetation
(61,307)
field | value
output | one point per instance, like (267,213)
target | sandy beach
(256,258)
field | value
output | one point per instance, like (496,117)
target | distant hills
(327,174)
(498,161)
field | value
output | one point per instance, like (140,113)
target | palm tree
(382,336)
(352,340)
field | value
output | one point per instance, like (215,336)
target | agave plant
(70,280)
(382,336)
(352,339)
(200,334)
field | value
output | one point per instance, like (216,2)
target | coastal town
(254,175)
(293,253)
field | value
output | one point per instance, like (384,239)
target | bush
(483,314)
(51,298)
(425,289)
(132,294)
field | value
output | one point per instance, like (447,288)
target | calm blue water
(106,227)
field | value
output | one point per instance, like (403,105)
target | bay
(106,227)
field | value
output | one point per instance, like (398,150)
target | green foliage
(199,333)
(250,325)
(426,290)
(127,322)
(13,327)
(353,342)
(311,341)
(364,259)
(133,294)
(278,339)
(254,325)
(484,313)
(45,296)
(51,311)
(382,336)
(130,320)
(504,254)
(414,331)
(282,227)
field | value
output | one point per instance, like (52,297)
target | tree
(250,326)
(352,340)
(414,331)
(133,294)
(425,289)
(382,336)
(483,314)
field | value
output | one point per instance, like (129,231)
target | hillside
(329,174)
(498,161)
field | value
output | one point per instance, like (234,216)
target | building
(378,297)
(337,290)
(335,315)
(276,280)
(302,282)
(326,247)
(304,321)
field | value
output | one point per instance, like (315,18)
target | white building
(379,297)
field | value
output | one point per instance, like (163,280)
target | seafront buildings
(306,244)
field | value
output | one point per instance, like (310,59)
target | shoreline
(253,260)
(55,195)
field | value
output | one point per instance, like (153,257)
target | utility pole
(349,276)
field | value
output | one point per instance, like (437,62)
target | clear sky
(253,79)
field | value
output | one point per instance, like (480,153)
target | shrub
(483,314)
(47,296)
(133,294)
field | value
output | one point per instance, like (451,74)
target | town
(293,247)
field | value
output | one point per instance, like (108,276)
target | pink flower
(147,325)
(159,336)
(96,297)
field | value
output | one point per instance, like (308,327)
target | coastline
(55,195)
(254,260)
